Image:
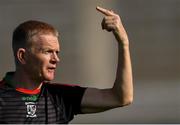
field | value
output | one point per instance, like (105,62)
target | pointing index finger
(104,11)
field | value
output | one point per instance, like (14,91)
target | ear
(21,55)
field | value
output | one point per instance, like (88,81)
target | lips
(49,73)
(51,69)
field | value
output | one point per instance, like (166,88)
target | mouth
(51,69)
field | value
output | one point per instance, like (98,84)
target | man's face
(42,58)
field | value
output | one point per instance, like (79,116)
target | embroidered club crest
(31,109)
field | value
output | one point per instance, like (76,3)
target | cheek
(44,67)
(44,64)
(36,65)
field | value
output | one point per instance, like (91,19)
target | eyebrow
(49,48)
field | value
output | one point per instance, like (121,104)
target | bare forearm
(123,86)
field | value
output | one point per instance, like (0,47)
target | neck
(22,79)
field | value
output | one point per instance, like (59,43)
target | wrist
(123,45)
(121,36)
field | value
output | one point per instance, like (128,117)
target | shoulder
(60,85)
(64,88)
(2,82)
(2,86)
(5,89)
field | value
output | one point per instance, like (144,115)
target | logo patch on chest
(31,109)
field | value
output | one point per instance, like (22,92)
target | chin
(49,78)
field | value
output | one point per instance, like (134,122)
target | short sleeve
(73,95)
(69,97)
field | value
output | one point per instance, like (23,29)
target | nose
(55,57)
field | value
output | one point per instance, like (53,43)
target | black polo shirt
(55,103)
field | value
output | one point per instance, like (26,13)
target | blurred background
(89,54)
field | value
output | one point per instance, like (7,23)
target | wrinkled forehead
(45,40)
(35,32)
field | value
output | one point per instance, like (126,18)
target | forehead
(45,40)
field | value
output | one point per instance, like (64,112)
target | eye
(48,51)
(57,52)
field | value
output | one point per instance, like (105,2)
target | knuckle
(116,16)
(106,18)
(116,21)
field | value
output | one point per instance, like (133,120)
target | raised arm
(121,94)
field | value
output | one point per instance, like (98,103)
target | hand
(112,22)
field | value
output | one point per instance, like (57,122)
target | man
(27,96)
